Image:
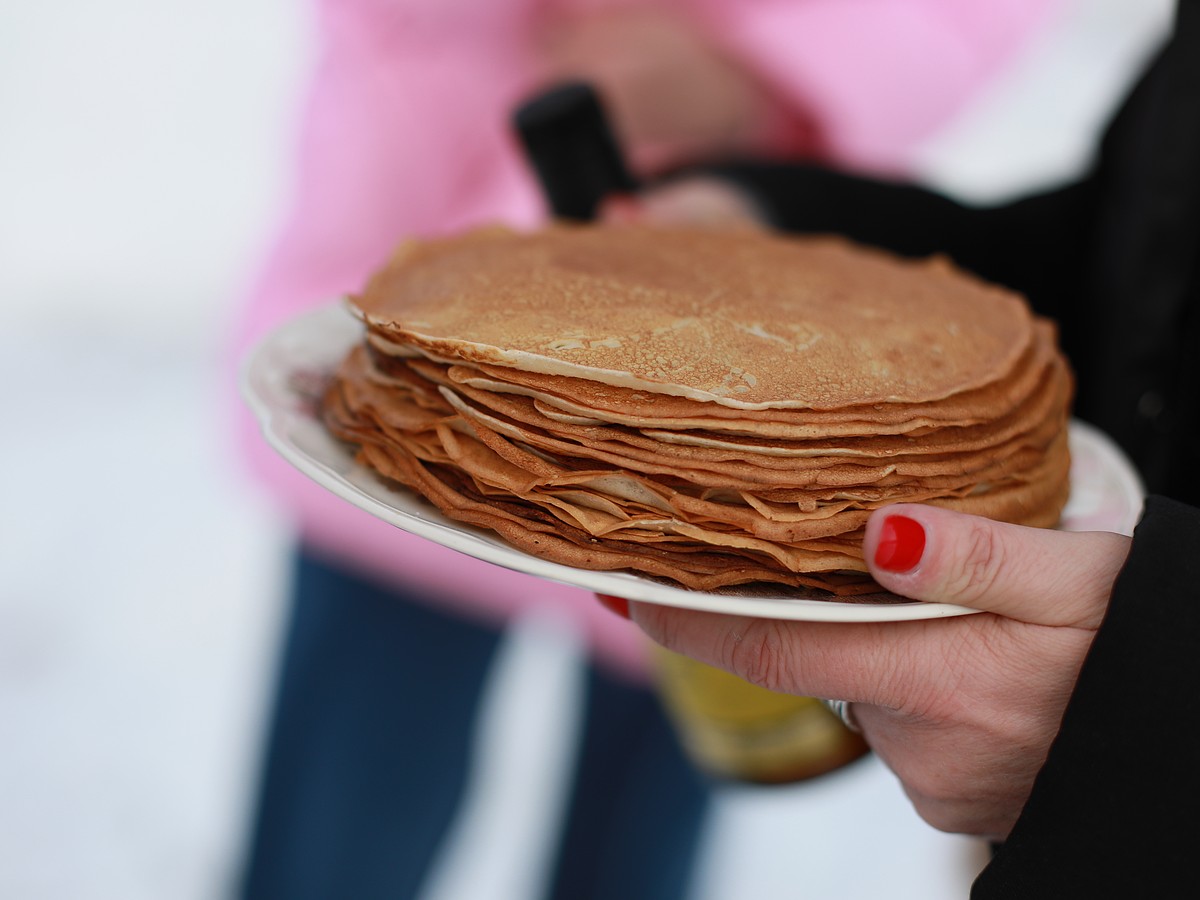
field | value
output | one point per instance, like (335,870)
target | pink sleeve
(875,75)
(404,132)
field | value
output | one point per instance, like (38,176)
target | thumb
(1035,575)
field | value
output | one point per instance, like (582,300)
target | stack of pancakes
(710,407)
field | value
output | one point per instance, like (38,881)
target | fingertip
(620,209)
(900,543)
(617,605)
(900,547)
(895,537)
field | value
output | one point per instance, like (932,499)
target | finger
(620,209)
(846,661)
(700,202)
(1032,574)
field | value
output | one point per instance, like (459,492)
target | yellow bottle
(733,729)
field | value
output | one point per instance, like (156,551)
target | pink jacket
(404,133)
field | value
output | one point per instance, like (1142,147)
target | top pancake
(741,319)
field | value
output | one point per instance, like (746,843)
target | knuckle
(664,630)
(980,560)
(658,624)
(965,814)
(759,655)
(945,817)
(921,792)
(940,800)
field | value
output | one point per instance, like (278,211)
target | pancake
(711,408)
(714,316)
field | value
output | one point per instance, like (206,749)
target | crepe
(713,408)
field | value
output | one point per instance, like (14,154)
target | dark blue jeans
(367,753)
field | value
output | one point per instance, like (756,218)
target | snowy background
(142,150)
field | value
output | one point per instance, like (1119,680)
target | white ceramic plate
(282,380)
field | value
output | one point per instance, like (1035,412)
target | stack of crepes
(710,407)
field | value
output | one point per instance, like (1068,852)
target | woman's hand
(695,201)
(963,709)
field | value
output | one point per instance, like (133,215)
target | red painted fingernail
(619,605)
(901,543)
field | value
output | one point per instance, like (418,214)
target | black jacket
(1115,811)
(1112,257)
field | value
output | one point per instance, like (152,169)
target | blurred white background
(143,162)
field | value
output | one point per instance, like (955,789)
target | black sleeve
(1035,245)
(1113,810)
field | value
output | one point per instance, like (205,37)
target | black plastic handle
(572,149)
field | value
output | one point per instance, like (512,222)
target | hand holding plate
(962,709)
